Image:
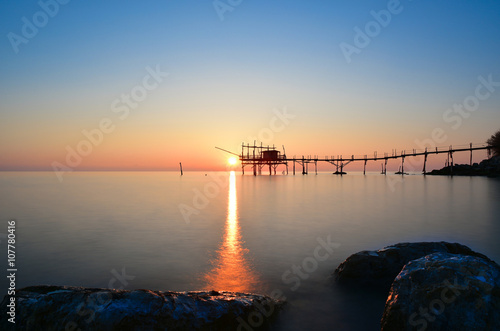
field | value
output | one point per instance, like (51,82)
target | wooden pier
(259,157)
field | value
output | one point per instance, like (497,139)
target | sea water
(225,231)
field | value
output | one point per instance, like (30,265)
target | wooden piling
(425,162)
(471,154)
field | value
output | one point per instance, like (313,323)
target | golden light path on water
(231,269)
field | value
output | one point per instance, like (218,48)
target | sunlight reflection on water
(232,270)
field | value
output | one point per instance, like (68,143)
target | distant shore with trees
(489,167)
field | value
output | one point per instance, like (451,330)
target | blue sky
(226,77)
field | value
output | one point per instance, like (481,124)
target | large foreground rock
(379,268)
(77,308)
(445,292)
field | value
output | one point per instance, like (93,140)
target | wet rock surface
(377,269)
(78,308)
(445,291)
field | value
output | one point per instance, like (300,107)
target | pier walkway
(258,157)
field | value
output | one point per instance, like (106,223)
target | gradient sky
(228,77)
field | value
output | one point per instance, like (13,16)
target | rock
(379,268)
(78,308)
(445,291)
(488,167)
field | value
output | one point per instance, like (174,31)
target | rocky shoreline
(79,308)
(425,286)
(488,167)
(430,285)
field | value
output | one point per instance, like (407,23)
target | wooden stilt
(471,154)
(451,167)
(425,162)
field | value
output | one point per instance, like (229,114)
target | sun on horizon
(232,160)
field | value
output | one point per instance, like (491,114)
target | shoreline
(486,168)
(84,308)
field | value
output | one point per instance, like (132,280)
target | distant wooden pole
(452,163)
(425,162)
(180,164)
(471,154)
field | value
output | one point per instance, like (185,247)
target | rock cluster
(488,167)
(78,308)
(435,285)
(379,268)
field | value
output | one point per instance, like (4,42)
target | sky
(144,85)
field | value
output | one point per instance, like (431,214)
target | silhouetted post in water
(471,154)
(254,165)
(384,168)
(364,169)
(425,161)
(451,156)
(403,154)
(180,163)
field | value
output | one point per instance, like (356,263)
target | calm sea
(225,231)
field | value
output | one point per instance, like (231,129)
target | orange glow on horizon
(232,271)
